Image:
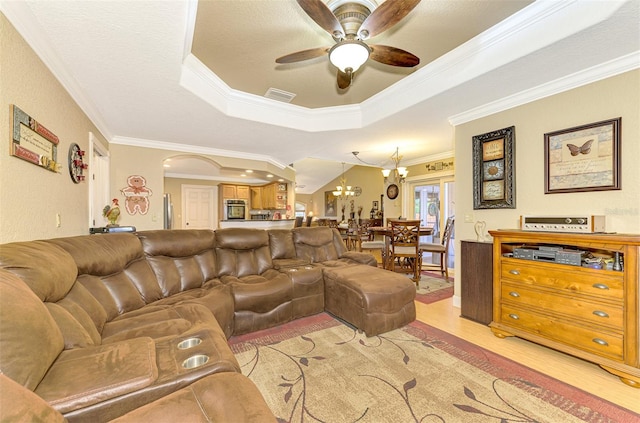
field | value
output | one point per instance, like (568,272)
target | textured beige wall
(607,99)
(30,196)
(368,178)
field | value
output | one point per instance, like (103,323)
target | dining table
(386,232)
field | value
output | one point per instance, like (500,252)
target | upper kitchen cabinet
(270,197)
(234,192)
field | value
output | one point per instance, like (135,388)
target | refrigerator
(168,211)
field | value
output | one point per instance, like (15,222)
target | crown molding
(192,149)
(203,83)
(20,16)
(587,76)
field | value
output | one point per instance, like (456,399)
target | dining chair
(404,254)
(298,222)
(360,233)
(370,244)
(441,248)
(309,219)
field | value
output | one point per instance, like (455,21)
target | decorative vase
(479,227)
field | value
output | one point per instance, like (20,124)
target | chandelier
(343,190)
(399,172)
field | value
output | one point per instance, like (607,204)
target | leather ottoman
(373,300)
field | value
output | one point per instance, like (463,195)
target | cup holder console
(189,343)
(195,361)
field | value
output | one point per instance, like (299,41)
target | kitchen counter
(258,224)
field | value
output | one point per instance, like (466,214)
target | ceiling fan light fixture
(349,54)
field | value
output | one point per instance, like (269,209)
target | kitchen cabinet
(256,198)
(476,294)
(234,192)
(587,312)
(269,197)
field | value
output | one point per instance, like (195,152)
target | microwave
(235,209)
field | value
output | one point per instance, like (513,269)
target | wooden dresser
(589,313)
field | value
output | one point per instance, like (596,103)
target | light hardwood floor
(573,371)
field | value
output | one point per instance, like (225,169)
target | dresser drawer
(604,343)
(575,280)
(574,307)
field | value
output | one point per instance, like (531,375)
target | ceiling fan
(350,23)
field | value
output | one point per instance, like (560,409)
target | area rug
(318,369)
(433,287)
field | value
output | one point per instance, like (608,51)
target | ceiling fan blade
(393,56)
(385,16)
(344,79)
(299,56)
(323,16)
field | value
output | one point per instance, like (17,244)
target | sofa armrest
(86,376)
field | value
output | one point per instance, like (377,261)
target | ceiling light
(343,190)
(349,54)
(399,172)
(249,171)
(269,175)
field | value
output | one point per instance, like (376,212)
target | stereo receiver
(573,224)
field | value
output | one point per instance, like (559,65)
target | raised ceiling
(239,42)
(143,72)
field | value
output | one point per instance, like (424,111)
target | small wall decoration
(583,158)
(493,170)
(330,204)
(76,163)
(33,142)
(440,166)
(136,195)
(374,205)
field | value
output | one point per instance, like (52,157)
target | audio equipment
(573,224)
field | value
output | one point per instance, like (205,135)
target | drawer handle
(600,342)
(600,313)
(600,286)
(514,272)
(514,316)
(514,294)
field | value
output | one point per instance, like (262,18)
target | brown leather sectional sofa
(134,327)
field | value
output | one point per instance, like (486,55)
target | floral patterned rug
(318,369)
(433,287)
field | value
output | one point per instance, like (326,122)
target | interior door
(198,207)
(98,181)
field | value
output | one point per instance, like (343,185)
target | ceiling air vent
(280,95)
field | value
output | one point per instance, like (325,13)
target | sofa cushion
(48,270)
(281,243)
(242,252)
(180,259)
(74,334)
(30,340)
(114,269)
(316,244)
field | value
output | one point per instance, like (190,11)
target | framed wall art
(583,158)
(330,204)
(493,170)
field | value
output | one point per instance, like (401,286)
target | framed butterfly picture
(494,170)
(583,158)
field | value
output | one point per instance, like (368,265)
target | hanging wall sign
(33,142)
